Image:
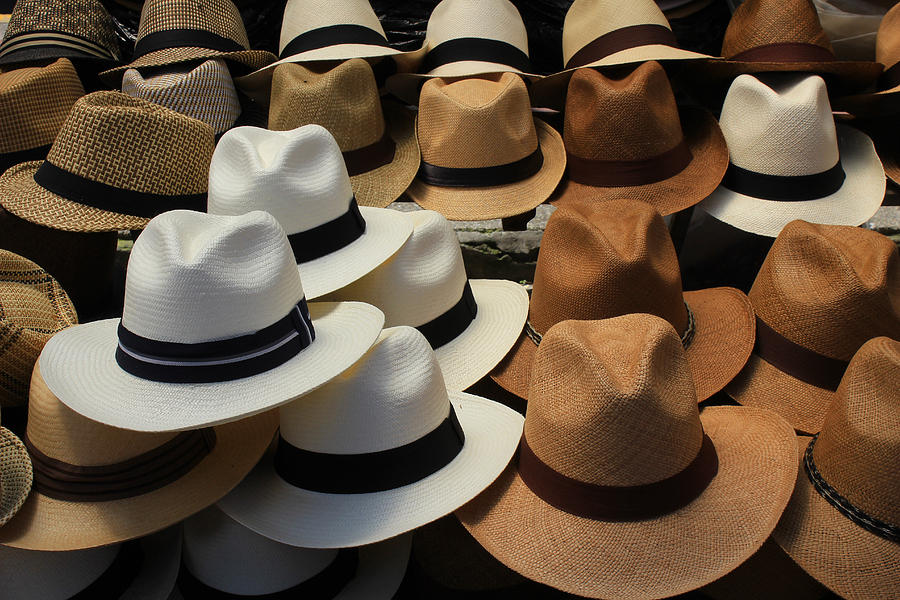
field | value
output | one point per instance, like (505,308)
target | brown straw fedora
(821,293)
(96,485)
(626,138)
(842,524)
(116,163)
(645,497)
(483,154)
(33,306)
(615,258)
(34,102)
(15,475)
(378,141)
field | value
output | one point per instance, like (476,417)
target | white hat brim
(80,368)
(270,506)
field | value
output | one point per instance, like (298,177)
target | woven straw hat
(34,102)
(425,286)
(116,163)
(821,293)
(378,142)
(842,524)
(626,138)
(221,555)
(299,177)
(15,475)
(646,498)
(790,161)
(483,154)
(39,30)
(215,328)
(381,450)
(627,264)
(33,307)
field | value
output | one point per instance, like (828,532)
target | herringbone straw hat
(116,163)
(842,524)
(15,475)
(33,307)
(299,177)
(483,154)
(645,497)
(790,161)
(626,138)
(626,263)
(381,450)
(378,140)
(821,293)
(470,323)
(34,102)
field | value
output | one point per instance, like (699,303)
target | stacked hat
(15,475)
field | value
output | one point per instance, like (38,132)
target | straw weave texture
(483,19)
(82,18)
(15,475)
(761,22)
(887,41)
(217,16)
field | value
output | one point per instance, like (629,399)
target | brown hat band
(446,327)
(368,158)
(119,576)
(624,173)
(482,176)
(785,52)
(55,39)
(184,38)
(622,39)
(9,159)
(784,188)
(618,503)
(328,237)
(476,49)
(795,360)
(333,35)
(890,78)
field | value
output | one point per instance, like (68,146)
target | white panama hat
(470,323)
(790,161)
(222,554)
(383,449)
(214,328)
(300,178)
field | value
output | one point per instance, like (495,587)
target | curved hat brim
(873,104)
(41,53)
(380,571)
(406,86)
(15,474)
(850,75)
(249,59)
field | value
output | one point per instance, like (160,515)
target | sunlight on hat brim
(251,59)
(16,476)
(406,86)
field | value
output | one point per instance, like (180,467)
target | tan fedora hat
(842,524)
(626,138)
(645,497)
(626,263)
(378,140)
(33,307)
(34,102)
(483,154)
(15,475)
(821,293)
(116,163)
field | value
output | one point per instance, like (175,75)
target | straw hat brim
(853,204)
(873,104)
(380,571)
(81,370)
(692,184)
(654,558)
(386,231)
(15,474)
(268,505)
(889,152)
(846,558)
(406,86)
(379,187)
(44,52)
(850,75)
(498,201)
(250,59)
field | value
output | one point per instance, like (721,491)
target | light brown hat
(96,485)
(644,496)
(821,293)
(615,258)
(116,163)
(34,102)
(842,524)
(483,154)
(626,138)
(15,475)
(378,141)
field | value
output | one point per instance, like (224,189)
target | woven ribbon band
(44,38)
(784,188)
(475,49)
(368,158)
(622,39)
(328,237)
(184,38)
(119,576)
(482,176)
(447,327)
(333,35)
(785,52)
(795,360)
(623,173)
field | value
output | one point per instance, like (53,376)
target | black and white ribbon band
(328,237)
(784,188)
(447,326)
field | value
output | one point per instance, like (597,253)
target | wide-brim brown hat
(15,475)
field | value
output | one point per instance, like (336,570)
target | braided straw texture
(15,475)
(217,16)
(83,18)
(483,19)
(301,16)
(758,23)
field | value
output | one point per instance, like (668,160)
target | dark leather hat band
(622,39)
(482,176)
(785,52)
(795,360)
(624,173)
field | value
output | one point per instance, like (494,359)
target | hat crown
(858,449)
(757,23)
(784,128)
(587,20)
(475,122)
(298,176)
(631,118)
(626,264)
(87,19)
(483,19)
(393,396)
(195,277)
(887,41)
(612,402)
(301,16)
(829,288)
(216,16)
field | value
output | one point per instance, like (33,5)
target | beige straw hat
(790,161)
(116,163)
(15,475)
(378,140)
(842,524)
(821,293)
(626,138)
(483,154)
(626,263)
(644,496)
(381,450)
(470,323)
